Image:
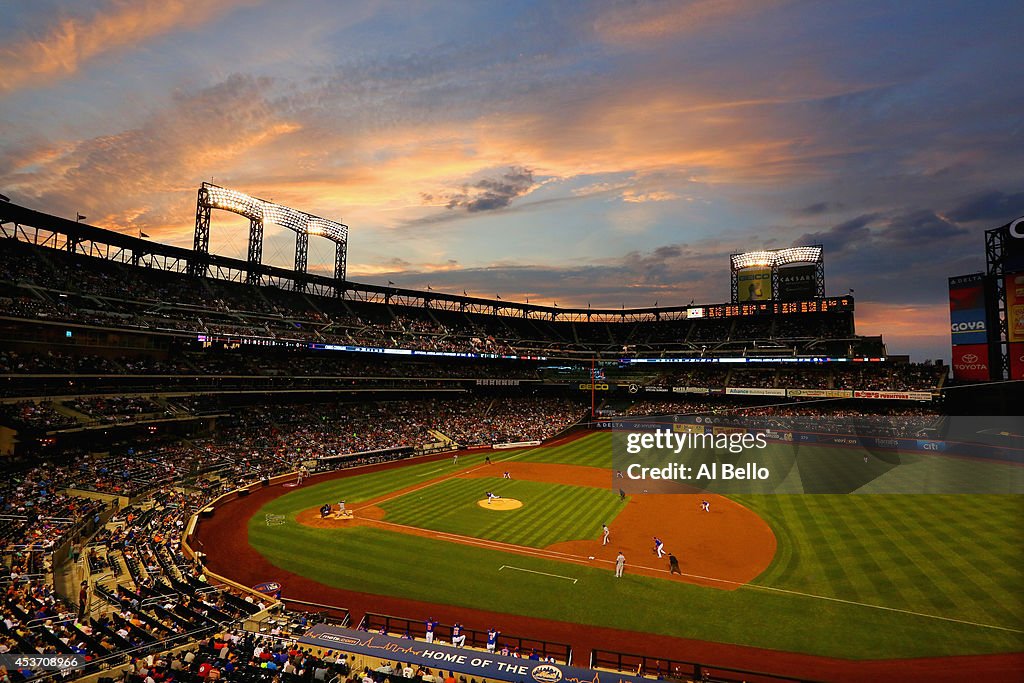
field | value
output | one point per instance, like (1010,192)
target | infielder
(605,531)
(705,506)
(620,564)
(659,547)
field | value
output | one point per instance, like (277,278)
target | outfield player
(492,639)
(605,532)
(458,637)
(430,625)
(455,459)
(659,547)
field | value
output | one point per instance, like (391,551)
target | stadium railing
(474,637)
(328,614)
(670,669)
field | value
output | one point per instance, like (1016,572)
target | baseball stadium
(614,341)
(200,451)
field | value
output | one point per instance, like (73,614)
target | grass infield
(881,576)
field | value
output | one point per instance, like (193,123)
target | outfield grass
(957,557)
(550,512)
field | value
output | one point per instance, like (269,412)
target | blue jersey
(492,637)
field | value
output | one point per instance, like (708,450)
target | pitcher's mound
(500,504)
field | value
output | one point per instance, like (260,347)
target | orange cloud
(73,41)
(923,328)
(641,23)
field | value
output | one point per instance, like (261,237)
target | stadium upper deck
(58,270)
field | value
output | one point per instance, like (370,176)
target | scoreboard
(836,304)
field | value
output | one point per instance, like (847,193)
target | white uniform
(606,531)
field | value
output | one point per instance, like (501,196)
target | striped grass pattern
(550,512)
(840,558)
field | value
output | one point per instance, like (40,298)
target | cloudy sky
(603,152)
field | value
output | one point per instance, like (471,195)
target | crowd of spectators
(93,291)
(36,516)
(34,415)
(110,409)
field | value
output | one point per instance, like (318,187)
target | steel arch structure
(260,212)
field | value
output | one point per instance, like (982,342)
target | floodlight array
(268,212)
(235,202)
(776,257)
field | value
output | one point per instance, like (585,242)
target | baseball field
(842,576)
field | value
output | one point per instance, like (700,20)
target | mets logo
(545,673)
(1017,228)
(268,587)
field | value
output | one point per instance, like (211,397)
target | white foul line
(520,569)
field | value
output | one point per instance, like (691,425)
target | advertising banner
(895,395)
(967,309)
(1016,351)
(755,391)
(1015,307)
(691,390)
(970,362)
(799,283)
(755,284)
(820,393)
(475,663)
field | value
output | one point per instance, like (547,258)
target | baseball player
(620,564)
(341,509)
(492,496)
(673,565)
(507,475)
(431,625)
(705,506)
(455,459)
(492,639)
(659,547)
(458,637)
(605,532)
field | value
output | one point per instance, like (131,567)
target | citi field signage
(472,663)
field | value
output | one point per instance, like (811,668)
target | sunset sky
(603,152)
